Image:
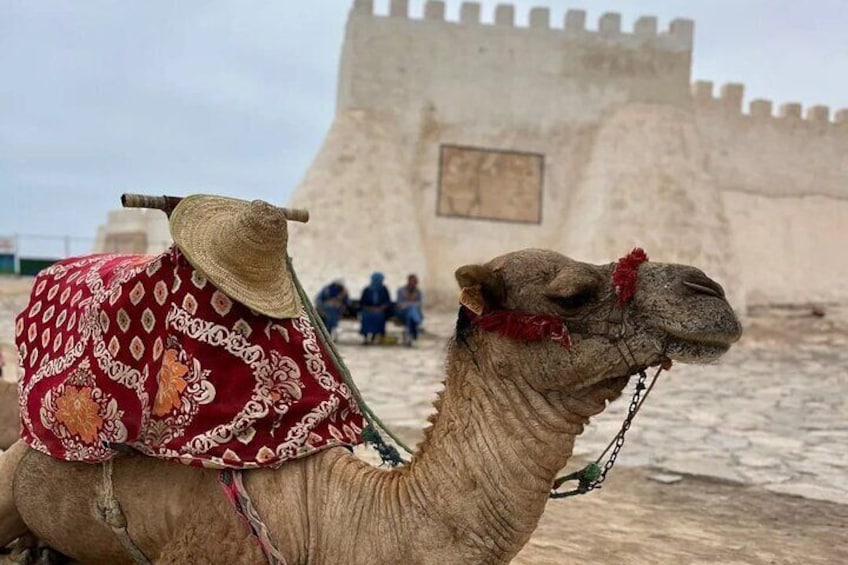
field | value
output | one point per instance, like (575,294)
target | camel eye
(572,301)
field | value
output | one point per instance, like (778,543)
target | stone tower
(455,141)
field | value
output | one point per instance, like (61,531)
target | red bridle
(524,326)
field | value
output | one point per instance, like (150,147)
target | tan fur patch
(472,298)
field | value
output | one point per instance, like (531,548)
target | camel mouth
(708,339)
(701,344)
(697,349)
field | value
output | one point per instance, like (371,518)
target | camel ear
(481,288)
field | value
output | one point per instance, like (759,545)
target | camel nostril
(705,286)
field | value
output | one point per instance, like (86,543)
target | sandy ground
(742,462)
(635,520)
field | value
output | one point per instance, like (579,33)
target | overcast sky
(103,97)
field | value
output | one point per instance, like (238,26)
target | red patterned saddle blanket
(144,351)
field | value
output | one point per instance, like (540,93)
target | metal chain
(592,475)
(618,441)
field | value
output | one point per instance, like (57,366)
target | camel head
(618,318)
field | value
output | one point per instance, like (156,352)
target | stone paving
(773,412)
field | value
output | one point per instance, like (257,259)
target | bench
(394,324)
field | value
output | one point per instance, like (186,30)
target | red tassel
(625,275)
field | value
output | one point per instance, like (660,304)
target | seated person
(375,309)
(331,304)
(409,303)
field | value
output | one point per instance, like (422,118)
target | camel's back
(167,506)
(171,509)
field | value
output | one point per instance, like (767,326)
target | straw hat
(241,247)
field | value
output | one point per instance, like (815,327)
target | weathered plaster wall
(362,207)
(432,82)
(632,155)
(783,177)
(789,250)
(786,153)
(471,72)
(133,231)
(645,185)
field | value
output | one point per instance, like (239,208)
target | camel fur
(475,490)
(10,416)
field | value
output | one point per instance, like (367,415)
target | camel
(476,487)
(10,419)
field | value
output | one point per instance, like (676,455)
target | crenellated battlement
(730,101)
(678,36)
(509,126)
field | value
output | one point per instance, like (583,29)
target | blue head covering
(376,280)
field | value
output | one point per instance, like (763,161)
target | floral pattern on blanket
(144,351)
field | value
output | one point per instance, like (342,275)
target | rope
(387,453)
(232,482)
(109,512)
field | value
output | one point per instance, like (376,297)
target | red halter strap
(524,326)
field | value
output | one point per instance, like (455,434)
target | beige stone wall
(362,207)
(783,176)
(787,153)
(471,72)
(133,231)
(408,88)
(789,250)
(645,185)
(631,156)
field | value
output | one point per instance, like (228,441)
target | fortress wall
(645,186)
(783,177)
(475,72)
(498,88)
(455,141)
(789,152)
(362,211)
(133,231)
(789,250)
(450,241)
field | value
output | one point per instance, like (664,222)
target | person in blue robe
(331,304)
(410,300)
(375,309)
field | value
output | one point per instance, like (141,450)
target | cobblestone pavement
(773,412)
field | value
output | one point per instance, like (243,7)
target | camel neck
(485,468)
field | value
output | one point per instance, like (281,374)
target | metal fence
(28,253)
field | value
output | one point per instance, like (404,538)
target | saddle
(146,352)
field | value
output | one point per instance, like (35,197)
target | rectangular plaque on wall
(489,184)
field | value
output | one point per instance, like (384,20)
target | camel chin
(702,347)
(693,352)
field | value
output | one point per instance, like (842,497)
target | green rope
(388,454)
(369,415)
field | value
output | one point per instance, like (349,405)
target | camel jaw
(696,350)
